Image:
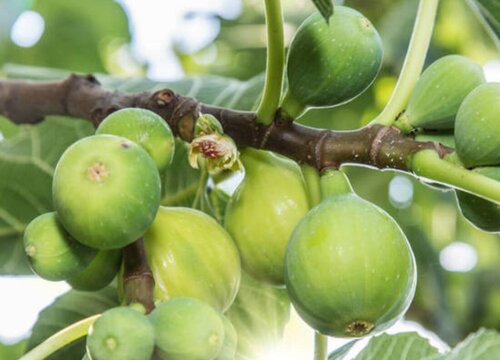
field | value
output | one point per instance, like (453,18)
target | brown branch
(83,97)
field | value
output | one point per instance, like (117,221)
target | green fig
(263,211)
(121,334)
(228,350)
(259,314)
(481,213)
(349,268)
(52,253)
(331,63)
(445,139)
(477,128)
(191,255)
(187,329)
(106,191)
(99,273)
(145,128)
(439,92)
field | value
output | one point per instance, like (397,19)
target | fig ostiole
(483,214)
(121,334)
(477,127)
(438,94)
(145,128)
(185,249)
(331,63)
(350,270)
(263,211)
(52,253)
(106,191)
(187,329)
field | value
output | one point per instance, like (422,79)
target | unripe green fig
(106,191)
(191,255)
(121,334)
(477,128)
(481,213)
(439,92)
(263,211)
(52,253)
(445,139)
(228,350)
(187,329)
(99,273)
(349,268)
(145,128)
(331,63)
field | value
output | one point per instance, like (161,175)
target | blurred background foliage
(459,266)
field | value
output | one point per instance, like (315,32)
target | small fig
(481,213)
(121,334)
(187,329)
(145,128)
(52,253)
(191,255)
(106,191)
(331,63)
(263,211)
(438,94)
(99,273)
(477,128)
(349,268)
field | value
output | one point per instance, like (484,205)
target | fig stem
(60,339)
(312,180)
(334,182)
(320,346)
(413,64)
(428,164)
(275,63)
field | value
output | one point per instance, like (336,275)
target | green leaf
(12,352)
(339,353)
(7,128)
(408,346)
(66,310)
(27,161)
(482,345)
(489,13)
(325,8)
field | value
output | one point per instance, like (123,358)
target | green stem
(320,346)
(428,164)
(413,64)
(275,63)
(335,182)
(312,180)
(202,183)
(60,339)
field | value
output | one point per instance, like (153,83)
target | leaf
(7,128)
(342,351)
(325,8)
(408,346)
(27,161)
(482,345)
(66,310)
(489,13)
(12,352)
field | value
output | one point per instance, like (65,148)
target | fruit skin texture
(263,211)
(145,128)
(106,190)
(440,91)
(330,64)
(477,127)
(99,273)
(191,255)
(187,329)
(349,268)
(52,253)
(228,350)
(481,213)
(121,334)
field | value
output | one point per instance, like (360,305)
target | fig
(121,334)
(187,329)
(145,128)
(99,273)
(191,255)
(228,350)
(481,213)
(349,268)
(331,63)
(263,211)
(106,190)
(439,92)
(445,139)
(52,253)
(477,127)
